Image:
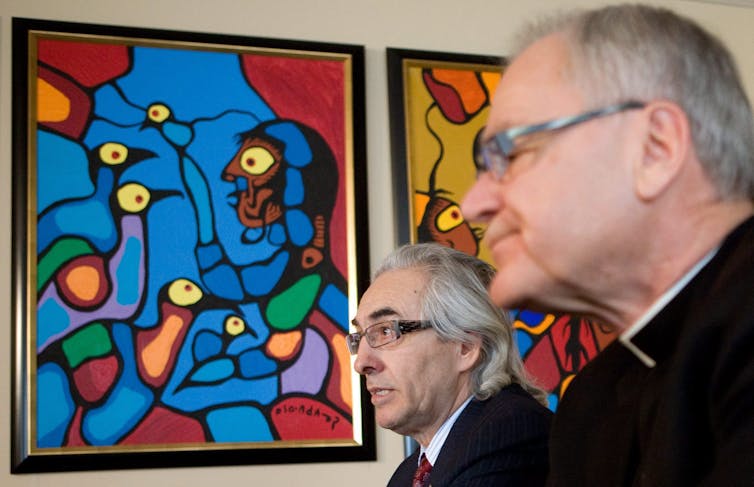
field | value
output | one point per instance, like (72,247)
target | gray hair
(624,52)
(456,301)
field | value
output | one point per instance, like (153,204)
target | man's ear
(665,149)
(469,352)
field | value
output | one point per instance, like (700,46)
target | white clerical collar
(435,445)
(657,306)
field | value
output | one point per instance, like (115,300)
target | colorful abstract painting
(439,105)
(189,224)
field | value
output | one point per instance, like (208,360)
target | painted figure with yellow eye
(282,192)
(440,220)
(89,216)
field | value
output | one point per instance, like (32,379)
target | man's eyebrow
(376,315)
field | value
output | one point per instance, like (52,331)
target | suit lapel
(448,460)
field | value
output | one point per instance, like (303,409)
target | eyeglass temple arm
(407,326)
(505,139)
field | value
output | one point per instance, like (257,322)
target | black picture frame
(46,102)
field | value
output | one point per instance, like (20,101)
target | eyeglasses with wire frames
(494,154)
(384,332)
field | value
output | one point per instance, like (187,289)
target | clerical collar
(657,306)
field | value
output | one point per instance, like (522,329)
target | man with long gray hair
(616,176)
(441,366)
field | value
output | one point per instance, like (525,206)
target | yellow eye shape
(184,292)
(256,160)
(158,112)
(113,153)
(449,218)
(234,325)
(133,197)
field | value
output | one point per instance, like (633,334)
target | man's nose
(365,358)
(482,201)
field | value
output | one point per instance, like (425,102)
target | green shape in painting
(287,309)
(89,342)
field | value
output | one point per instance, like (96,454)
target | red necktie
(421,477)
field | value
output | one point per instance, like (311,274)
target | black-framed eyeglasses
(494,154)
(384,332)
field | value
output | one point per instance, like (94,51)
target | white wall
(472,26)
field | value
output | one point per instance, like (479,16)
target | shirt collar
(657,306)
(435,445)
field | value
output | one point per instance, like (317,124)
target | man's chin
(389,425)
(389,422)
(507,293)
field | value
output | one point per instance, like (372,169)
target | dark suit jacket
(689,420)
(501,441)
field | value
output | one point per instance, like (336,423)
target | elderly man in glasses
(441,366)
(616,177)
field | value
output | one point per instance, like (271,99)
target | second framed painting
(439,103)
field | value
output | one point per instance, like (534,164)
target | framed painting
(189,242)
(439,103)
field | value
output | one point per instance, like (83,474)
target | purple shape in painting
(308,373)
(129,254)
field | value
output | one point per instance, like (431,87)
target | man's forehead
(535,87)
(374,316)
(392,295)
